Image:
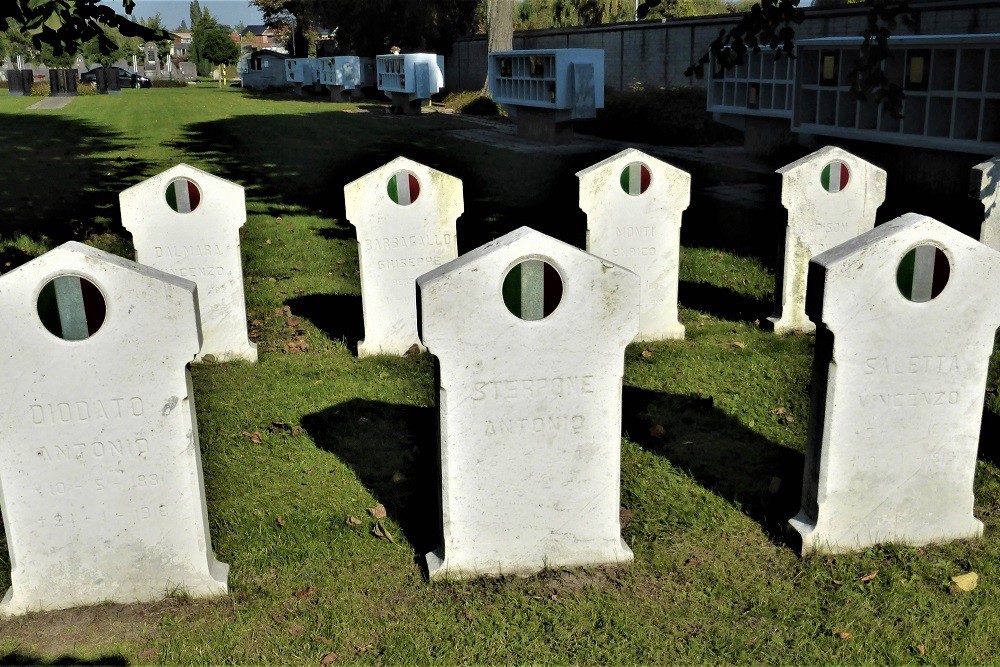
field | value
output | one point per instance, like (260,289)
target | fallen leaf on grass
(842,634)
(921,649)
(305,592)
(320,639)
(380,531)
(868,577)
(624,516)
(296,630)
(254,437)
(353,521)
(412,350)
(364,648)
(964,582)
(293,321)
(281,522)
(646,354)
(738,345)
(329,658)
(378,511)
(657,431)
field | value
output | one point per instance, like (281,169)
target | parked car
(126,79)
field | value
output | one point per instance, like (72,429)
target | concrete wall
(656,54)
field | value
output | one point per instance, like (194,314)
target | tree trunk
(499,28)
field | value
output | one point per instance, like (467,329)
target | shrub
(665,116)
(473,102)
(40,89)
(169,83)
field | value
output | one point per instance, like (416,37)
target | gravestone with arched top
(985,186)
(187,222)
(530,336)
(100,465)
(634,203)
(405,215)
(831,197)
(903,345)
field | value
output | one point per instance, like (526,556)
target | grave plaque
(187,222)
(831,197)
(985,187)
(634,204)
(530,335)
(405,216)
(902,349)
(100,481)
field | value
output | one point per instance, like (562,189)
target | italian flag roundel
(183,195)
(923,273)
(404,188)
(835,177)
(532,289)
(635,178)
(71,307)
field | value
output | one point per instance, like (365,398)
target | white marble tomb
(187,222)
(100,466)
(634,204)
(530,336)
(985,187)
(405,215)
(899,377)
(831,197)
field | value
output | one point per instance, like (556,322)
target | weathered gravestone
(100,466)
(898,383)
(831,197)
(985,186)
(187,222)
(634,204)
(530,336)
(405,216)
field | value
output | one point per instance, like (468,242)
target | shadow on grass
(336,315)
(18,658)
(762,478)
(723,303)
(394,451)
(53,183)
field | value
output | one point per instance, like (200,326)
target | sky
(172,12)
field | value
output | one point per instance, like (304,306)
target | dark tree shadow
(394,451)
(723,303)
(989,437)
(18,658)
(336,315)
(60,178)
(763,478)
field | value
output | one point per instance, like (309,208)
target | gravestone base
(822,538)
(342,94)
(468,565)
(404,104)
(785,325)
(544,125)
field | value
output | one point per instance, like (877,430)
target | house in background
(262,69)
(261,37)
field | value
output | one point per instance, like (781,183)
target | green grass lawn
(713,429)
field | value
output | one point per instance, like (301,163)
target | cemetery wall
(656,54)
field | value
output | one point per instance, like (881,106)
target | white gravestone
(405,215)
(100,466)
(985,187)
(530,336)
(634,203)
(898,386)
(187,222)
(831,197)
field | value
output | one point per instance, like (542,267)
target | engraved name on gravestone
(187,222)
(831,197)
(100,466)
(530,336)
(985,186)
(405,215)
(899,378)
(634,204)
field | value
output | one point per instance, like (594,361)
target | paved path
(51,103)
